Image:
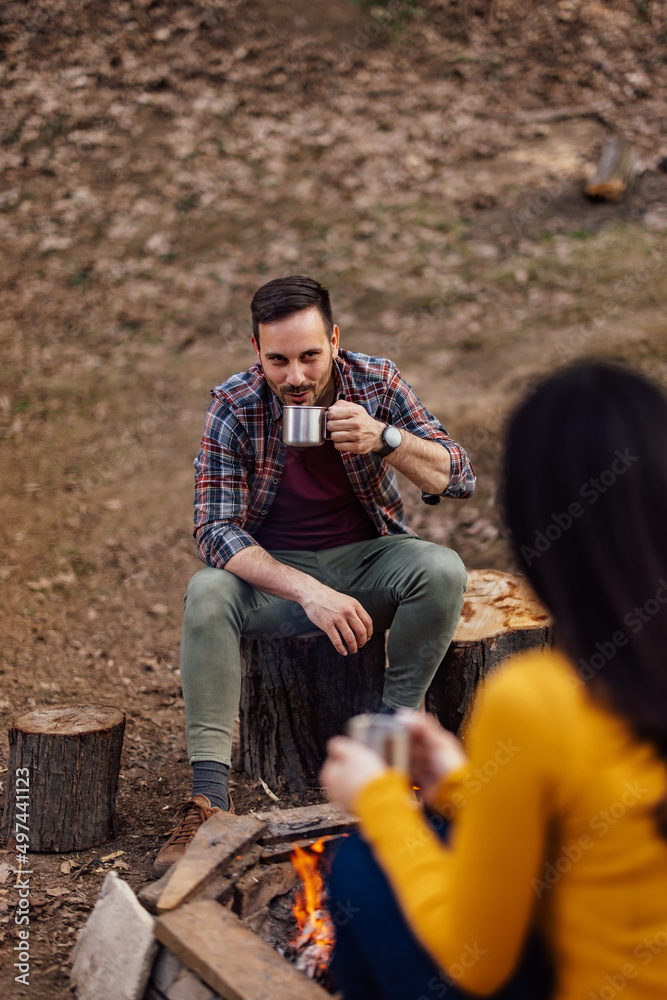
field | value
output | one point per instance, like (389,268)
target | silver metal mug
(304,426)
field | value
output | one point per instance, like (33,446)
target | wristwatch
(391,437)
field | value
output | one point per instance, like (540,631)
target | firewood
(260,885)
(220,886)
(304,822)
(500,616)
(216,842)
(229,958)
(616,172)
(273,853)
(64,765)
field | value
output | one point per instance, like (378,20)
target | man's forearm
(425,463)
(342,617)
(257,567)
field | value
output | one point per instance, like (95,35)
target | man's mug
(384,734)
(304,426)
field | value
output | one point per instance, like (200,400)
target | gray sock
(209,777)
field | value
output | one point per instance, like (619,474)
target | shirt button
(275,480)
(262,512)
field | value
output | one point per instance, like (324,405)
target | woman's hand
(434,751)
(349,767)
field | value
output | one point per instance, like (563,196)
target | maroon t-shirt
(315,506)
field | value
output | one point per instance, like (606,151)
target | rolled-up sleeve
(222,470)
(408,411)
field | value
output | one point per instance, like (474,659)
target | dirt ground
(160,160)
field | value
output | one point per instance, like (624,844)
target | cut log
(616,172)
(229,958)
(63,771)
(220,886)
(260,885)
(296,693)
(274,853)
(308,822)
(500,616)
(216,842)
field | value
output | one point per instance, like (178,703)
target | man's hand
(343,618)
(352,428)
(425,463)
(349,767)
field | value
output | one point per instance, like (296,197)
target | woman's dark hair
(585,497)
(283,297)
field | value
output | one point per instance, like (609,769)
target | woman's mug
(383,733)
(304,426)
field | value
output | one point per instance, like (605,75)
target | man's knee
(442,569)
(210,593)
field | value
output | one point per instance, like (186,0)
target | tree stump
(500,616)
(62,777)
(616,172)
(296,693)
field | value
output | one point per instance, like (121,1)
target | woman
(559,813)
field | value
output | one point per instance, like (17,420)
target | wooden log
(63,768)
(220,886)
(260,885)
(616,172)
(217,841)
(500,616)
(274,853)
(308,822)
(296,693)
(229,958)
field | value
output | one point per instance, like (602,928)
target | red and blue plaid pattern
(242,457)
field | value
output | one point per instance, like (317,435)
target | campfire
(241,914)
(311,949)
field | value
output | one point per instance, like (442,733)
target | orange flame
(314,923)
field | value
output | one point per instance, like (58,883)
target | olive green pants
(411,587)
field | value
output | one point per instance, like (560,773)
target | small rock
(114,952)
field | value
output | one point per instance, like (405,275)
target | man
(310,536)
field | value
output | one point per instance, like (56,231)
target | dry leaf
(110,857)
(56,891)
(5,872)
(66,867)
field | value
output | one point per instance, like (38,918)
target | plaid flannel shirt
(242,457)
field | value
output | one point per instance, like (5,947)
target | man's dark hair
(585,494)
(283,297)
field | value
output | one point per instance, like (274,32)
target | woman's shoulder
(536,675)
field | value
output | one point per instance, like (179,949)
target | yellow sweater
(553,828)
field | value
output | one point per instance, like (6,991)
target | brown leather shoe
(191,815)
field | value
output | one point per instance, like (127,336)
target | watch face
(392,437)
